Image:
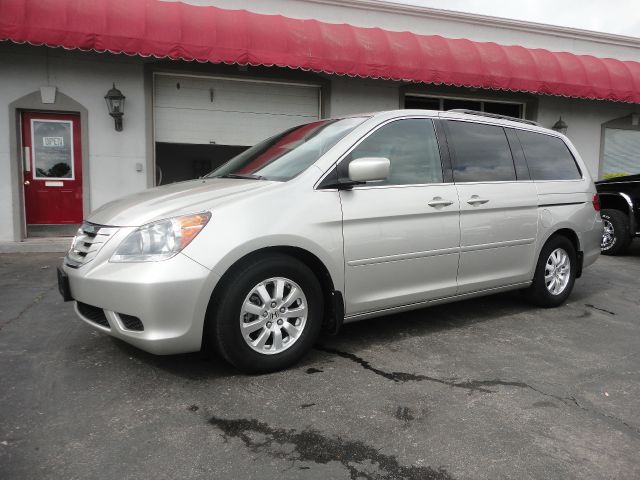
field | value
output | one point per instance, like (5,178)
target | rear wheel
(268,315)
(555,273)
(616,236)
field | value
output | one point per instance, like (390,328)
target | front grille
(88,241)
(95,314)
(131,323)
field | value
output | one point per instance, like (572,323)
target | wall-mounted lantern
(560,126)
(115,104)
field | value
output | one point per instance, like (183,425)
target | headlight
(160,240)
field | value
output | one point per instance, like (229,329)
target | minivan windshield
(287,154)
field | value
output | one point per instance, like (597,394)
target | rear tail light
(596,202)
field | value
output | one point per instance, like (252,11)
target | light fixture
(560,126)
(115,104)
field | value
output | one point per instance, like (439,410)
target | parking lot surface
(483,389)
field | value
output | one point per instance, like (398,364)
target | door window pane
(548,157)
(621,152)
(52,144)
(481,153)
(411,147)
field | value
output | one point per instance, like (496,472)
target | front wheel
(555,273)
(268,315)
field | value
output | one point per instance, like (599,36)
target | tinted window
(548,157)
(284,156)
(481,153)
(411,147)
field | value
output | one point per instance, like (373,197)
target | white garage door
(206,110)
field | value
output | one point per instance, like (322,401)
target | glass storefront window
(621,152)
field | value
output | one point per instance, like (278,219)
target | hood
(172,200)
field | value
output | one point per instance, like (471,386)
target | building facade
(61,155)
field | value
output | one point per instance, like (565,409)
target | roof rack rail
(494,115)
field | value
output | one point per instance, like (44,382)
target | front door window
(52,152)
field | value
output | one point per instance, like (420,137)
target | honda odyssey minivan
(336,221)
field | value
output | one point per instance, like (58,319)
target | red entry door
(52,167)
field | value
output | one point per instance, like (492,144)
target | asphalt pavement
(483,389)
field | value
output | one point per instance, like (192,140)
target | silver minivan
(336,221)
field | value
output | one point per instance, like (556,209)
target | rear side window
(548,157)
(481,153)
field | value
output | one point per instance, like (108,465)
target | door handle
(476,200)
(27,182)
(439,202)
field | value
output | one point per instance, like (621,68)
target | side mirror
(369,169)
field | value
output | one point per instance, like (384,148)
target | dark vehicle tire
(555,273)
(268,315)
(616,236)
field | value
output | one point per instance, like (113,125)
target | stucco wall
(86,78)
(113,155)
(357,95)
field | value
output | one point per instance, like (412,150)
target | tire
(616,236)
(242,303)
(540,293)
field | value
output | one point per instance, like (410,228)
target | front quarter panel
(293,215)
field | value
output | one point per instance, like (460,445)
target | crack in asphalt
(360,459)
(612,419)
(599,309)
(37,299)
(476,386)
(399,377)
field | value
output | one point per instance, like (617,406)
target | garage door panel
(232,128)
(241,112)
(239,97)
(250,101)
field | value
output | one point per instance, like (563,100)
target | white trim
(34,170)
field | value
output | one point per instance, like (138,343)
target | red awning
(209,34)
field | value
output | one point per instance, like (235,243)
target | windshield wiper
(246,177)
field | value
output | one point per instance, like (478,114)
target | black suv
(620,202)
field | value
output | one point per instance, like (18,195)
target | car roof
(468,115)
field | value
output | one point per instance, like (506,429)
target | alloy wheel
(273,315)
(557,271)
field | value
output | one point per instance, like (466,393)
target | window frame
(601,170)
(445,164)
(628,122)
(453,153)
(480,100)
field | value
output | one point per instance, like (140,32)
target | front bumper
(170,298)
